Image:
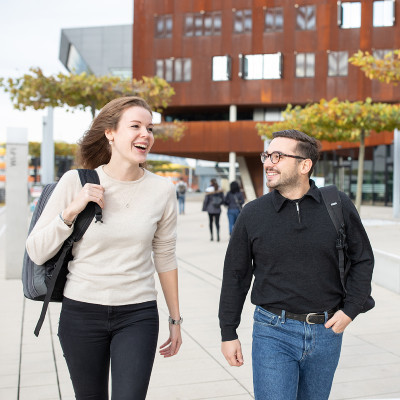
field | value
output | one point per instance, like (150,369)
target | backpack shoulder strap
(42,201)
(330,195)
(92,209)
(88,176)
(331,198)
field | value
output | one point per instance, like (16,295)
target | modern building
(102,50)
(235,62)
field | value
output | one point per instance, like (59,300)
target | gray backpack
(46,282)
(181,188)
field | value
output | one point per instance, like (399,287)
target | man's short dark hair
(307,146)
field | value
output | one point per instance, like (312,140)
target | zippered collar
(278,200)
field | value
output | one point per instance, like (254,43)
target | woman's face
(133,138)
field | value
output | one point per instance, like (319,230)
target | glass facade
(340,167)
(75,62)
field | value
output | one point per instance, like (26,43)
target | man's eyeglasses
(275,157)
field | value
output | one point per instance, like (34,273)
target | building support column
(396,174)
(190,178)
(232,166)
(232,154)
(247,182)
(47,149)
(16,200)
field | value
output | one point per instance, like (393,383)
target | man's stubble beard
(288,182)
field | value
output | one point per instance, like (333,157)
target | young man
(287,240)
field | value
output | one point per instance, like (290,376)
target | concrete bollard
(16,200)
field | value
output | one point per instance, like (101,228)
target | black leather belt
(310,318)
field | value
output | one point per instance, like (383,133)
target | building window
(305,65)
(306,18)
(123,73)
(337,63)
(163,26)
(168,69)
(203,24)
(221,68)
(273,19)
(75,62)
(261,66)
(384,13)
(174,69)
(349,14)
(242,21)
(273,114)
(381,53)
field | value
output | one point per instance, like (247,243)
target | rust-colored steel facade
(210,139)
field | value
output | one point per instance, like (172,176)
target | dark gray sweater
(289,247)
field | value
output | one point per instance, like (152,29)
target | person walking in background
(181,188)
(234,200)
(212,204)
(286,239)
(109,312)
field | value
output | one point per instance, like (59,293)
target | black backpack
(46,282)
(330,195)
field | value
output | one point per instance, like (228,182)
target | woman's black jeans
(214,217)
(92,335)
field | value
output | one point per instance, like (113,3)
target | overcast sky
(30,33)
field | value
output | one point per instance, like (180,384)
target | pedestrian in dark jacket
(234,200)
(212,204)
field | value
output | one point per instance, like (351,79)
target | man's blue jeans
(233,214)
(292,360)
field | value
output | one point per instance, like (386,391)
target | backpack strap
(81,224)
(237,201)
(331,198)
(90,176)
(66,247)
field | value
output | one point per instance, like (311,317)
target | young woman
(234,200)
(109,312)
(212,204)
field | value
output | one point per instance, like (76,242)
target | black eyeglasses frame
(266,155)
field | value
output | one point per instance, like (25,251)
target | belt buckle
(309,315)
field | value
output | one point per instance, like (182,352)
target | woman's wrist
(177,321)
(69,221)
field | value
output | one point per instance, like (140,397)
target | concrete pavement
(33,368)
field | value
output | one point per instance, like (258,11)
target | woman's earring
(111,142)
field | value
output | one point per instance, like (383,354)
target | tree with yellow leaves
(81,91)
(336,120)
(385,70)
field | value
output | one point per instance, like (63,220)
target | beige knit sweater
(114,262)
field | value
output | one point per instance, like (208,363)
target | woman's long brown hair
(94,149)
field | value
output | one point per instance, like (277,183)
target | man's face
(286,173)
